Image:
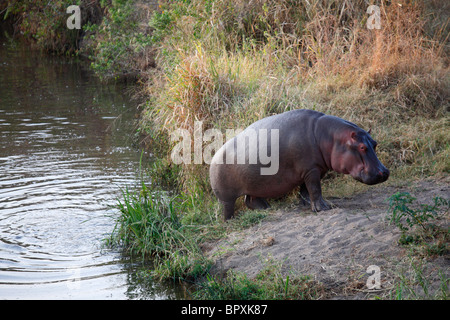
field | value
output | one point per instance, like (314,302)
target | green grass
(414,282)
(269,284)
(149,225)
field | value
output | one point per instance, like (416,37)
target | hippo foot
(256,203)
(320,205)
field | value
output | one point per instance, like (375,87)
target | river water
(65,152)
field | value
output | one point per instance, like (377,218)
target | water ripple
(64,154)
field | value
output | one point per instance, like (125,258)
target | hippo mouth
(359,177)
(371,179)
(368,177)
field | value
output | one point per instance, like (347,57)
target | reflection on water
(65,151)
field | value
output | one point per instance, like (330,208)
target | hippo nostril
(384,174)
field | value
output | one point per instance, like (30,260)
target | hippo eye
(362,148)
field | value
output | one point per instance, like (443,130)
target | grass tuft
(149,225)
(269,284)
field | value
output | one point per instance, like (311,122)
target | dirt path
(335,247)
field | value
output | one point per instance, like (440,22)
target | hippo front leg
(312,183)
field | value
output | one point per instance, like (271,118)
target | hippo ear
(352,140)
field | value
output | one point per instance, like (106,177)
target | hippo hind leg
(228,209)
(256,203)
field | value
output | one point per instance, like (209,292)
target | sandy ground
(335,247)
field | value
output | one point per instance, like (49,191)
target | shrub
(118,46)
(406,217)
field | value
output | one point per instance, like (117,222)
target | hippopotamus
(303,145)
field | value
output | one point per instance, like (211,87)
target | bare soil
(337,246)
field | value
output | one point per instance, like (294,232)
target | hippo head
(355,155)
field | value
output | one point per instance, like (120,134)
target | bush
(429,239)
(118,46)
(406,217)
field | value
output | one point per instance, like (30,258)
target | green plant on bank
(149,225)
(148,222)
(406,217)
(161,23)
(418,223)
